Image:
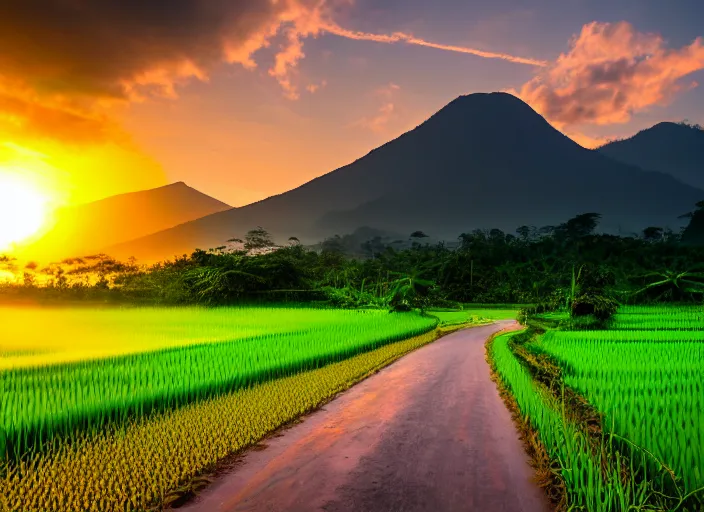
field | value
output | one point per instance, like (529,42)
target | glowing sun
(23,210)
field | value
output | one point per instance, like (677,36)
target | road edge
(189,491)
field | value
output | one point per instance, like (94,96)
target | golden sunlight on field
(24,209)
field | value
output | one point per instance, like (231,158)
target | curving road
(428,433)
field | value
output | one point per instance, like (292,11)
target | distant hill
(483,161)
(671,148)
(91,227)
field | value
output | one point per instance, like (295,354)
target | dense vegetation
(159,459)
(648,388)
(615,408)
(587,477)
(618,410)
(565,265)
(42,401)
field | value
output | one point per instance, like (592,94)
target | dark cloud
(61,61)
(99,47)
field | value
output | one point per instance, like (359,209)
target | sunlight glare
(23,210)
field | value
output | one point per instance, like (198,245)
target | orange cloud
(400,37)
(25,114)
(388,90)
(304,20)
(128,50)
(313,88)
(611,72)
(86,57)
(286,61)
(379,122)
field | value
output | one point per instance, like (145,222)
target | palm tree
(410,289)
(674,283)
(216,285)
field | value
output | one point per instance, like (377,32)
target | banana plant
(674,283)
(215,285)
(410,289)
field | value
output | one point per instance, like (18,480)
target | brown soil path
(428,433)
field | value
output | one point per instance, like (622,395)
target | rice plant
(592,475)
(659,318)
(649,384)
(153,460)
(472,316)
(79,334)
(42,402)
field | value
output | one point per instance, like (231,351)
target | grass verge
(158,460)
(547,475)
(576,474)
(657,439)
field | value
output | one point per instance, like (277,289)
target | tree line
(563,266)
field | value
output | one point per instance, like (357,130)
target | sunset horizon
(351,255)
(256,100)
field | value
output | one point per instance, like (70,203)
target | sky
(246,99)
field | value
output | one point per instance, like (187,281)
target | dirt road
(428,433)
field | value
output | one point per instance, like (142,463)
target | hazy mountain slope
(666,147)
(484,160)
(91,227)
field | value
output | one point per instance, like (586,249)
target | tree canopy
(559,266)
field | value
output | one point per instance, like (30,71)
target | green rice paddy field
(645,375)
(89,368)
(118,409)
(473,316)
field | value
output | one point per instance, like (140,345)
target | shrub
(592,304)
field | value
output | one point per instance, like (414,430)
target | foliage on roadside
(634,426)
(582,471)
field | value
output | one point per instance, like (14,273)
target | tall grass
(664,317)
(40,403)
(43,336)
(473,316)
(648,384)
(153,460)
(592,475)
(660,310)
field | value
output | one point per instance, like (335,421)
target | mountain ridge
(90,227)
(672,148)
(483,160)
